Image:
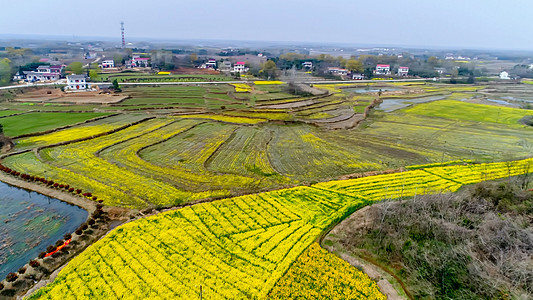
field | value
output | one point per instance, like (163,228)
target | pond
(30,222)
(390,105)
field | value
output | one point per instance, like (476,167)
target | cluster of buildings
(136,61)
(42,73)
(225,66)
(50,73)
(380,69)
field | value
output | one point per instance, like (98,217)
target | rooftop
(74,77)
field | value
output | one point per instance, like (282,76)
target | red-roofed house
(138,61)
(382,69)
(240,67)
(403,71)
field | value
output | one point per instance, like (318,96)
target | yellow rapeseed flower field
(267,82)
(242,87)
(319,274)
(238,248)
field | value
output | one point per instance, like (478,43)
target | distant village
(97,60)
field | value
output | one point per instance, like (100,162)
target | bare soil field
(57,96)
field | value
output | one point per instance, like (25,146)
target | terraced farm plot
(319,274)
(245,152)
(297,152)
(226,118)
(453,139)
(8,112)
(181,158)
(79,132)
(457,110)
(234,248)
(42,121)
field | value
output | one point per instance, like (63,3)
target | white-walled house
(44,73)
(383,69)
(357,76)
(240,67)
(403,71)
(138,61)
(337,71)
(77,82)
(211,64)
(308,65)
(108,63)
(504,75)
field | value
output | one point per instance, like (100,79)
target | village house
(240,67)
(226,66)
(357,76)
(19,76)
(211,64)
(44,73)
(308,65)
(440,70)
(108,63)
(138,61)
(337,71)
(403,71)
(77,82)
(382,70)
(504,75)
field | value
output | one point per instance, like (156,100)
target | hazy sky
(504,24)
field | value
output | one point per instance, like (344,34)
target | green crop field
(42,121)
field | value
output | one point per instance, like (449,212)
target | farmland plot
(233,248)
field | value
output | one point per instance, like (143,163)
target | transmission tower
(122,30)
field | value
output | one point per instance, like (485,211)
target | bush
(71,190)
(84,226)
(11,277)
(34,263)
(91,222)
(22,270)
(50,248)
(1,286)
(42,254)
(67,236)
(79,231)
(59,243)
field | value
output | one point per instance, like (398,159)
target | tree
(193,57)
(5,71)
(433,61)
(117,59)
(116,87)
(269,70)
(94,71)
(75,67)
(93,74)
(354,66)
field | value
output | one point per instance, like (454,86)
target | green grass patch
(41,121)
(457,110)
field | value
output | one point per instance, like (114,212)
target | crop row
(234,248)
(319,274)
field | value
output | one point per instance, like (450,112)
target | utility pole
(122,31)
